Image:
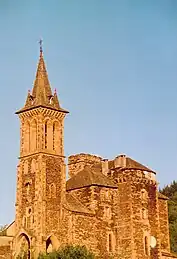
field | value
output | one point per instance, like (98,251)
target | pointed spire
(42,93)
(55,100)
(29,100)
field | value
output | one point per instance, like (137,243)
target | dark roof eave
(101,185)
(162,197)
(145,169)
(41,106)
(171,255)
(91,214)
(134,168)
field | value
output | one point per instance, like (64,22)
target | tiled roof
(132,164)
(73,204)
(88,177)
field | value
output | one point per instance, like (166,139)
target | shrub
(69,252)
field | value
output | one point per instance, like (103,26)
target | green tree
(171,192)
(69,252)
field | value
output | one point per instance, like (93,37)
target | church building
(113,207)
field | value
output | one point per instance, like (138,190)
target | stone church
(113,207)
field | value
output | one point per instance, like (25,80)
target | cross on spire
(40,43)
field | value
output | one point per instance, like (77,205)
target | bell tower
(41,169)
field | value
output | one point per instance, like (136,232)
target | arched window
(144,195)
(29,218)
(28,137)
(26,167)
(54,137)
(144,213)
(33,135)
(33,166)
(45,135)
(110,243)
(146,247)
(61,138)
(24,222)
(52,191)
(106,194)
(27,185)
(108,213)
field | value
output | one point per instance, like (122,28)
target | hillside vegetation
(171,192)
(3,230)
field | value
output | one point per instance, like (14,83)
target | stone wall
(76,163)
(25,193)
(41,187)
(138,207)
(55,192)
(153,216)
(102,202)
(124,221)
(5,252)
(85,232)
(74,228)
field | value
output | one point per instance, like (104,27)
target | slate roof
(73,204)
(131,164)
(89,177)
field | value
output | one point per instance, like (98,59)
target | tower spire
(41,92)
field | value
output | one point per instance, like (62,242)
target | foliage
(3,230)
(171,192)
(69,252)
(22,256)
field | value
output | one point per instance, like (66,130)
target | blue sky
(114,64)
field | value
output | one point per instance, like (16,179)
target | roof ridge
(89,177)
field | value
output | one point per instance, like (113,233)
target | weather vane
(40,43)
